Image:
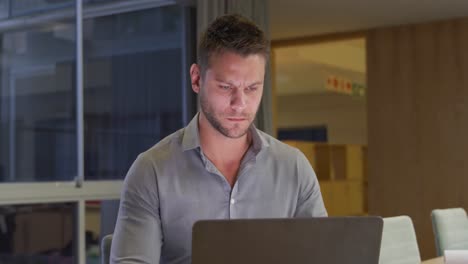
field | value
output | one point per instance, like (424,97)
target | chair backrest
(399,243)
(105,249)
(450,229)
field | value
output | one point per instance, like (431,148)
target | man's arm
(310,202)
(137,237)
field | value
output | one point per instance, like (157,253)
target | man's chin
(235,133)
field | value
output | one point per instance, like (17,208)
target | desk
(439,260)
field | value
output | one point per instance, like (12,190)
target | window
(133,86)
(37,103)
(38,233)
(136,56)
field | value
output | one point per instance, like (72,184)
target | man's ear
(195,77)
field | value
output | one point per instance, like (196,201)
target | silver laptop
(331,240)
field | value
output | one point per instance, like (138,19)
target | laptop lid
(330,240)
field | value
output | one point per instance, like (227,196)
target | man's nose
(238,99)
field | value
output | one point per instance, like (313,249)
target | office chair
(450,228)
(105,249)
(399,244)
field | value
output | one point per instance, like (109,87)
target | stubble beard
(216,123)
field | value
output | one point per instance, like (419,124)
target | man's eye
(253,88)
(225,87)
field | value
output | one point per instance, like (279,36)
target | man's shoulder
(141,174)
(165,148)
(278,148)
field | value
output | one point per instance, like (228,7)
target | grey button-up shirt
(172,185)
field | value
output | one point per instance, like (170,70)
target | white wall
(345,116)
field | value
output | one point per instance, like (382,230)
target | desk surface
(439,260)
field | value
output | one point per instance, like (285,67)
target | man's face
(230,92)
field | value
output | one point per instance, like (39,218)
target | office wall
(418,121)
(344,115)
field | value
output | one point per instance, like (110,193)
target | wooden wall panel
(418,122)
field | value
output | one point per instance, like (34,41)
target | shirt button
(233,201)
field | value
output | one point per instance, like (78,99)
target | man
(219,166)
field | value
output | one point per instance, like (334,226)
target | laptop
(327,240)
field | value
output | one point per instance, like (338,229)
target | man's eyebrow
(256,83)
(222,80)
(231,83)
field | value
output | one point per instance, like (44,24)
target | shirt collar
(191,138)
(258,140)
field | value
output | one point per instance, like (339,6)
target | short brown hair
(232,33)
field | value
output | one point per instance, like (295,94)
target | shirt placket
(231,195)
(211,168)
(235,198)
